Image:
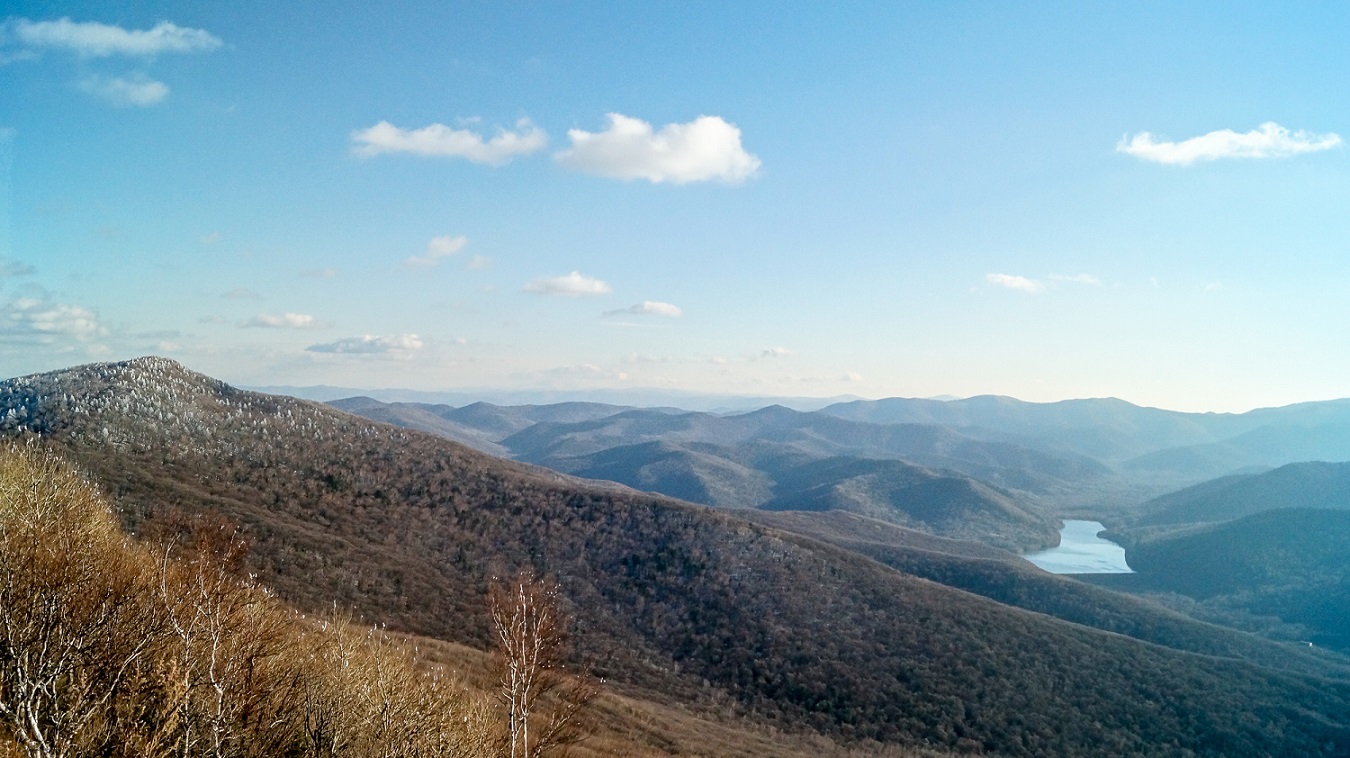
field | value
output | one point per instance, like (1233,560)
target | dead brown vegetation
(110,648)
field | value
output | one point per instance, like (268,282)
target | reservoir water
(1081,551)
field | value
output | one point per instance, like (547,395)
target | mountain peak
(121,402)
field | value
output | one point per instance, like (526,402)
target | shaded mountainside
(1106,429)
(816,434)
(697,472)
(780,477)
(671,598)
(1266,447)
(1147,443)
(761,460)
(481,426)
(1293,564)
(424,419)
(895,491)
(1008,579)
(1297,485)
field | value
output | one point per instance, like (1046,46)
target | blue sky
(1146,201)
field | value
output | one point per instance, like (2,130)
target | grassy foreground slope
(690,603)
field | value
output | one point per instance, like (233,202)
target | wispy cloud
(10,269)
(1037,286)
(42,321)
(91,39)
(241,293)
(775,352)
(705,149)
(1270,140)
(441,141)
(371,345)
(283,321)
(1015,282)
(479,263)
(137,90)
(211,238)
(648,308)
(437,248)
(319,273)
(1087,279)
(575,284)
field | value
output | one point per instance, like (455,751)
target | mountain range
(1099,456)
(822,621)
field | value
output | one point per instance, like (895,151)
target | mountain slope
(939,503)
(696,472)
(1106,429)
(1264,447)
(816,434)
(1011,580)
(1297,485)
(781,477)
(671,598)
(1293,564)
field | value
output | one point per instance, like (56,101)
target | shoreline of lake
(1081,551)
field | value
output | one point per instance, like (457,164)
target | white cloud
(479,263)
(370,344)
(283,321)
(139,90)
(851,376)
(1270,140)
(440,141)
(648,308)
(1087,279)
(30,319)
(704,149)
(1014,282)
(775,352)
(574,284)
(438,248)
(91,39)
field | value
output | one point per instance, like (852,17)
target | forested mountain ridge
(1312,484)
(1102,455)
(1266,552)
(778,458)
(669,598)
(1147,441)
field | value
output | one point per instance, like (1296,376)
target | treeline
(111,647)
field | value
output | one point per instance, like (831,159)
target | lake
(1081,551)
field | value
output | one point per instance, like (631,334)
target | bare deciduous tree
(544,703)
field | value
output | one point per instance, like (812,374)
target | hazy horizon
(1039,201)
